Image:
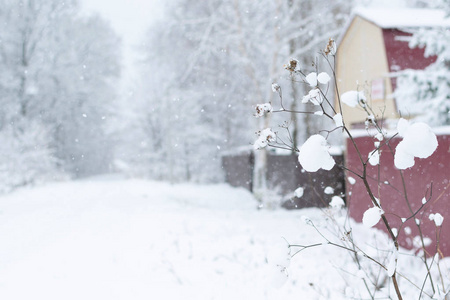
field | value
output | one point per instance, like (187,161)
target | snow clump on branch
(338,120)
(374,157)
(437,218)
(372,216)
(353,98)
(323,78)
(418,141)
(314,154)
(313,79)
(313,96)
(265,137)
(337,202)
(261,109)
(299,192)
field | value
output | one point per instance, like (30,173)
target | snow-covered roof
(403,17)
(398,18)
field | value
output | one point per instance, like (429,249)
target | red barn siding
(435,170)
(400,56)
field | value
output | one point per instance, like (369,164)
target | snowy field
(111,238)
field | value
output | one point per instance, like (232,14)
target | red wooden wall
(433,171)
(400,56)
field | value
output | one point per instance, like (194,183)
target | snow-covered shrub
(26,156)
(378,266)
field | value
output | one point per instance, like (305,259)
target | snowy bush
(378,266)
(25,156)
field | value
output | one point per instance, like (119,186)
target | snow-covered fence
(285,175)
(431,175)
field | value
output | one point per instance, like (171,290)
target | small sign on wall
(378,89)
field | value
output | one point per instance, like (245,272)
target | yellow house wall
(361,58)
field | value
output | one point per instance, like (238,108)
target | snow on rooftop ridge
(356,133)
(403,17)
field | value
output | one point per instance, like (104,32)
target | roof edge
(397,18)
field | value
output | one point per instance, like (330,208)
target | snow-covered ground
(111,238)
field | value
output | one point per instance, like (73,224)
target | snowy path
(131,239)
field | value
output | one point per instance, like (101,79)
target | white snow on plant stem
(402,159)
(402,126)
(299,192)
(418,141)
(314,154)
(261,109)
(427,241)
(372,216)
(392,266)
(374,157)
(328,190)
(395,231)
(437,218)
(352,98)
(337,202)
(266,136)
(379,136)
(313,97)
(311,78)
(338,120)
(331,47)
(351,180)
(417,242)
(323,78)
(378,201)
(276,87)
(424,200)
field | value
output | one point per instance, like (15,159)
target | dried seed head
(261,109)
(331,47)
(276,87)
(292,65)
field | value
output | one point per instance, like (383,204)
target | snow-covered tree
(82,82)
(206,63)
(57,83)
(425,94)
